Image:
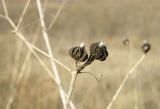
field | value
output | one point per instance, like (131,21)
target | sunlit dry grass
(83,22)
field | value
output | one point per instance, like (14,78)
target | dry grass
(85,21)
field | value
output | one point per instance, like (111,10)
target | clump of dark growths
(98,51)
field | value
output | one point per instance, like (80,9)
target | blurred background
(85,21)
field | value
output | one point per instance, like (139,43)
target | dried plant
(32,48)
(145,48)
(98,51)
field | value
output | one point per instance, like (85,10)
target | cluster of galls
(98,51)
(79,53)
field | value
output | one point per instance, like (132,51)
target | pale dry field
(82,21)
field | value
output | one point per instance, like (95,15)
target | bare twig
(20,47)
(124,81)
(45,54)
(20,35)
(44,65)
(73,81)
(11,99)
(5,8)
(19,79)
(97,77)
(57,14)
(54,68)
(72,84)
(32,46)
(23,13)
(28,56)
(45,35)
(135,92)
(14,73)
(43,32)
(31,24)
(53,59)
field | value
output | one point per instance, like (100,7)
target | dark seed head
(146,47)
(98,51)
(79,53)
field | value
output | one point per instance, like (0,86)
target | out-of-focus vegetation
(83,21)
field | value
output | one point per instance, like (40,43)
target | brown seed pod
(98,51)
(104,54)
(146,46)
(79,53)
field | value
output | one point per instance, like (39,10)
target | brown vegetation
(88,22)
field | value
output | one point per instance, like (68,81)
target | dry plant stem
(92,74)
(23,13)
(11,99)
(57,14)
(27,75)
(39,59)
(21,17)
(130,50)
(14,73)
(34,47)
(45,35)
(135,92)
(53,59)
(31,45)
(44,6)
(124,81)
(27,58)
(16,29)
(73,80)
(54,68)
(20,35)
(30,24)
(15,76)
(5,8)
(19,79)
(72,84)
(83,66)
